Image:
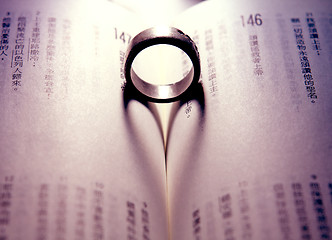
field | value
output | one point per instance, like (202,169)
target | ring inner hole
(162,64)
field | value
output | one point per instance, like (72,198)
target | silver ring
(171,36)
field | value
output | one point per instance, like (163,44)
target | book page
(249,157)
(76,159)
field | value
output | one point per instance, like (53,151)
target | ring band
(171,36)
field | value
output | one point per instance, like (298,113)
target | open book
(248,157)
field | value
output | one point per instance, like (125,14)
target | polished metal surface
(166,35)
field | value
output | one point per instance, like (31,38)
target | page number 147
(252,20)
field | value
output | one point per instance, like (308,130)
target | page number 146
(252,20)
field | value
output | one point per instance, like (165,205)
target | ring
(170,36)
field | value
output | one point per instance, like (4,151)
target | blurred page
(76,161)
(252,158)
